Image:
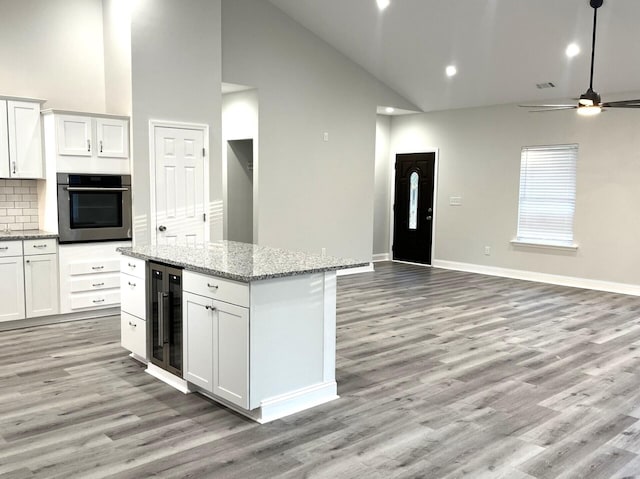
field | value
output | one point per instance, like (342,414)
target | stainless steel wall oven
(93,207)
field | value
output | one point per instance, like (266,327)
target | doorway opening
(240,191)
(413,207)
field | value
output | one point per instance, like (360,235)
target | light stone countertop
(241,261)
(25,235)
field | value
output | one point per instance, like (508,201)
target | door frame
(392,198)
(153,124)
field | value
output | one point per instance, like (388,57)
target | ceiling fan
(589,102)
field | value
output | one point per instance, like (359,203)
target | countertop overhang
(241,261)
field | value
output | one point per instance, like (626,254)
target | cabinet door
(11,288)
(198,346)
(231,353)
(4,141)
(113,138)
(74,135)
(25,139)
(41,285)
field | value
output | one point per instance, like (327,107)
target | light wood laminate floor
(441,374)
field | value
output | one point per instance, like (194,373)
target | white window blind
(547,194)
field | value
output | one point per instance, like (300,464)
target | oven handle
(89,188)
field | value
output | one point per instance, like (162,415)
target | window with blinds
(547,194)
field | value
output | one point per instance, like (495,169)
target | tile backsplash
(18,205)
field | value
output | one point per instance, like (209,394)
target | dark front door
(413,207)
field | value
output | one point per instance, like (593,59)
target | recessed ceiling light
(382,4)
(389,110)
(572,50)
(451,70)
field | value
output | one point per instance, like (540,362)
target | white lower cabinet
(217,347)
(133,324)
(29,282)
(12,305)
(41,285)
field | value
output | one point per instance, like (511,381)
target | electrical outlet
(487,250)
(325,136)
(324,251)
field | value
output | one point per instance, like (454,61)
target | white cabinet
(216,340)
(41,284)
(20,139)
(133,324)
(12,306)
(89,276)
(29,283)
(85,143)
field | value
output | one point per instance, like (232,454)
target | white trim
(381,257)
(168,378)
(392,196)
(153,124)
(594,284)
(533,244)
(60,318)
(360,269)
(424,265)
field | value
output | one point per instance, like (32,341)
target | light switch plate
(455,200)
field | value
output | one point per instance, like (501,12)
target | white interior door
(179,185)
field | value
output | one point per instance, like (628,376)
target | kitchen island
(253,328)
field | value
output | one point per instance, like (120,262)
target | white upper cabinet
(4,141)
(86,143)
(74,135)
(20,139)
(112,136)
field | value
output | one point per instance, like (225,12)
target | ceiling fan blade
(608,105)
(621,102)
(547,106)
(557,108)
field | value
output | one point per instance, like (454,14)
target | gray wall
(313,194)
(382,186)
(480,161)
(176,76)
(117,56)
(53,49)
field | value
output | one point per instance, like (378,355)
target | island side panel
(287,330)
(330,326)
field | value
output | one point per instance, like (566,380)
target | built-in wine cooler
(164,332)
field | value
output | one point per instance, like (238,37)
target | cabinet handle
(133,285)
(27,261)
(161,298)
(100,146)
(89,145)
(39,246)
(212,308)
(132,324)
(98,284)
(131,265)
(4,248)
(13,163)
(213,286)
(98,301)
(97,267)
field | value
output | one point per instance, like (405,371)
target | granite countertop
(241,261)
(25,235)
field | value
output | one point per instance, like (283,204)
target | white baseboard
(359,269)
(598,285)
(168,378)
(381,257)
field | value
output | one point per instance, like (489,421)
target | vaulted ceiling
(501,48)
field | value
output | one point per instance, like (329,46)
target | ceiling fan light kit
(589,103)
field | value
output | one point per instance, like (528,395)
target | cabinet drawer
(133,266)
(95,300)
(133,334)
(44,246)
(10,248)
(95,282)
(216,288)
(132,295)
(95,266)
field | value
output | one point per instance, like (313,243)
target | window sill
(533,244)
